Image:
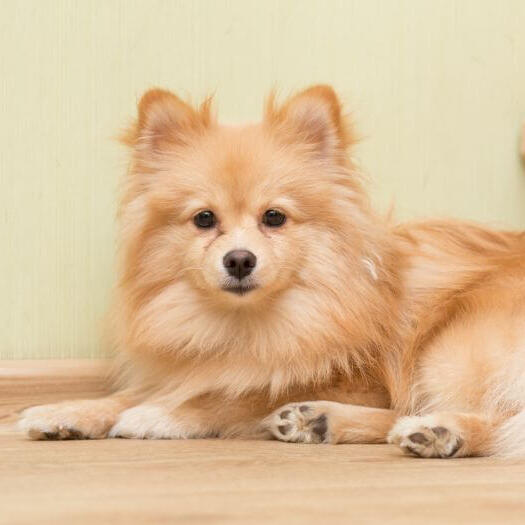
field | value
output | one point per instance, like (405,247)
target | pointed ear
(314,117)
(164,119)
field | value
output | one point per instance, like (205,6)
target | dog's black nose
(239,263)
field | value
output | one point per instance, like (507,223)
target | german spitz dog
(259,296)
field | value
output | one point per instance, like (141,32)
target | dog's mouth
(239,289)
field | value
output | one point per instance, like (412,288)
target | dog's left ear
(313,116)
(165,120)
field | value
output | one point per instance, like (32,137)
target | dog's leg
(330,422)
(444,435)
(83,419)
(192,410)
(165,417)
(156,420)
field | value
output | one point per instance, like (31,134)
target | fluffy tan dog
(254,274)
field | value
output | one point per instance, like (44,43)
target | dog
(259,296)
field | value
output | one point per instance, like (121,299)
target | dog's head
(236,217)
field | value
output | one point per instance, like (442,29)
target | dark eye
(273,218)
(205,219)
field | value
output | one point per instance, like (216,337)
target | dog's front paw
(89,419)
(426,437)
(148,422)
(300,423)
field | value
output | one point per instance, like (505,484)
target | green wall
(437,89)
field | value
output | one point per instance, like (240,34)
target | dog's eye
(205,219)
(273,218)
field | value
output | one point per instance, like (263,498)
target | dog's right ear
(165,120)
(312,117)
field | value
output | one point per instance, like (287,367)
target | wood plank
(212,481)
(37,382)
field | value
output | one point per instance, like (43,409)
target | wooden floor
(208,481)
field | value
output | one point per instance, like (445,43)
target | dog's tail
(510,437)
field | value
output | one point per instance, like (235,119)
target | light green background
(437,89)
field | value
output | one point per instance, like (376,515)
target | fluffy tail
(510,437)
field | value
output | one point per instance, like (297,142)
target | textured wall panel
(437,89)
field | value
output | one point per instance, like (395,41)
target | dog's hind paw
(300,423)
(426,437)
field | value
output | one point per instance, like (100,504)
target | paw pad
(299,424)
(284,429)
(415,436)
